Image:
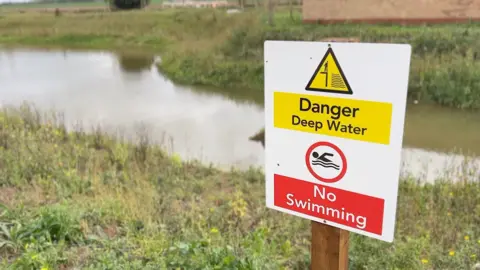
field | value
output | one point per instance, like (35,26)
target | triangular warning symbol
(329,77)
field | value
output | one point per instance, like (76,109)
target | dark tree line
(128,4)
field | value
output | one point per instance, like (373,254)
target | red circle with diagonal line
(327,170)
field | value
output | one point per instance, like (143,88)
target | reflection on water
(135,63)
(93,88)
(430,165)
(123,91)
(442,129)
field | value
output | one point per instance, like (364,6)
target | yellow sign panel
(329,77)
(361,120)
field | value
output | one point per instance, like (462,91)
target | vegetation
(72,199)
(7,6)
(61,4)
(211,47)
(91,201)
(127,4)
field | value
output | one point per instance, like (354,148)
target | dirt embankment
(406,11)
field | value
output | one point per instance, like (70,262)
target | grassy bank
(93,202)
(217,49)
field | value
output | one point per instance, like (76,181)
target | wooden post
(329,249)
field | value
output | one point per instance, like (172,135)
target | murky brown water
(127,91)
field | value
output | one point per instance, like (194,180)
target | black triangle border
(308,88)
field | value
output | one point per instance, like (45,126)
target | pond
(126,93)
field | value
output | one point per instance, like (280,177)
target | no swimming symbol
(326,162)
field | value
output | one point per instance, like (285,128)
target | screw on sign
(326,162)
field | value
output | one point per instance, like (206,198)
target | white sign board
(334,116)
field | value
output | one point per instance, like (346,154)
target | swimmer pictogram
(323,161)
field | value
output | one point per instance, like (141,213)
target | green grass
(61,5)
(53,5)
(212,48)
(93,202)
(72,199)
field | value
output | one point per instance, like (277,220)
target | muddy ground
(390,10)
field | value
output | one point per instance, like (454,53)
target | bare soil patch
(413,11)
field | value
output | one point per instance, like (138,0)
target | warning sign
(334,120)
(329,76)
(326,162)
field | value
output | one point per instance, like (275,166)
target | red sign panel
(336,205)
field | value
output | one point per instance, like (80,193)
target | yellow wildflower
(466,238)
(473,256)
(44,268)
(214,230)
(451,253)
(424,261)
